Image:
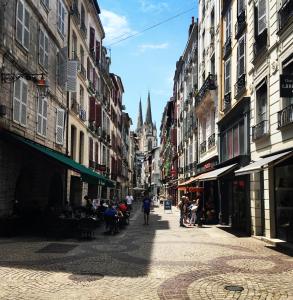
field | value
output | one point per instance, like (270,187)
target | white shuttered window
(228,24)
(241,56)
(22,24)
(262,16)
(20,101)
(42,116)
(227,76)
(60,120)
(61,17)
(43,49)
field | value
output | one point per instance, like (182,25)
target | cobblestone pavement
(159,261)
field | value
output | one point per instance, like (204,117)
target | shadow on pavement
(233,231)
(285,248)
(127,254)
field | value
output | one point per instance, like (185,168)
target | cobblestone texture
(159,261)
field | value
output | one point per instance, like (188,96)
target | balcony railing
(285,14)
(212,141)
(82,114)
(203,147)
(260,44)
(227,101)
(91,87)
(240,24)
(227,48)
(75,13)
(260,130)
(240,86)
(209,84)
(285,116)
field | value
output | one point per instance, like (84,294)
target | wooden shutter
(241,56)
(17,100)
(241,6)
(96,152)
(98,115)
(60,119)
(97,52)
(23,103)
(262,22)
(92,116)
(88,68)
(19,21)
(45,116)
(41,47)
(92,39)
(94,78)
(227,76)
(46,51)
(26,29)
(91,157)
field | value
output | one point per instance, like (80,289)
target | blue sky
(147,61)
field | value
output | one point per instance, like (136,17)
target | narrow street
(159,261)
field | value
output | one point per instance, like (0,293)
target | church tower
(139,118)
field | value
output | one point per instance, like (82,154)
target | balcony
(227,102)
(240,24)
(227,48)
(83,29)
(240,86)
(285,116)
(212,141)
(260,130)
(75,107)
(260,44)
(75,13)
(82,114)
(91,88)
(285,15)
(209,84)
(203,147)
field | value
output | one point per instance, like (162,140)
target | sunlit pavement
(158,261)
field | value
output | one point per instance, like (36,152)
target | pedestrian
(180,207)
(193,209)
(186,211)
(129,200)
(88,205)
(146,207)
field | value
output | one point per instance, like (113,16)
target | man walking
(129,200)
(146,207)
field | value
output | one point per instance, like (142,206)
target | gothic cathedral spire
(148,119)
(139,118)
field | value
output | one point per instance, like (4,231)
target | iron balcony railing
(203,147)
(209,84)
(212,141)
(285,116)
(240,24)
(285,14)
(260,44)
(82,113)
(260,130)
(227,48)
(240,86)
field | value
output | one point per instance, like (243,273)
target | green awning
(87,175)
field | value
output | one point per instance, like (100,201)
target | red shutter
(97,52)
(92,39)
(96,152)
(92,116)
(91,149)
(98,115)
(88,68)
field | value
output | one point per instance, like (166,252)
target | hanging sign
(286,85)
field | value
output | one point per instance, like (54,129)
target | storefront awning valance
(215,174)
(262,163)
(187,182)
(87,175)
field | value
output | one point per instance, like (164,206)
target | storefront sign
(167,205)
(286,85)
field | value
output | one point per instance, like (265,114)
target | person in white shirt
(129,200)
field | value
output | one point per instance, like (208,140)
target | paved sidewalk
(159,261)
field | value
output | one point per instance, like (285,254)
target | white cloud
(148,6)
(116,27)
(145,47)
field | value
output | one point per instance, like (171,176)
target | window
(240,6)
(228,24)
(261,16)
(241,56)
(42,116)
(228,76)
(230,144)
(82,15)
(62,67)
(235,141)
(43,49)
(74,46)
(81,96)
(81,56)
(22,24)
(91,150)
(20,101)
(213,65)
(60,119)
(213,122)
(61,18)
(203,131)
(81,146)
(288,70)
(261,103)
(45,3)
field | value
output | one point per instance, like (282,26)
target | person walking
(180,207)
(193,209)
(146,207)
(129,200)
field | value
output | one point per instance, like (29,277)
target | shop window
(288,70)
(235,141)
(261,103)
(230,144)
(242,138)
